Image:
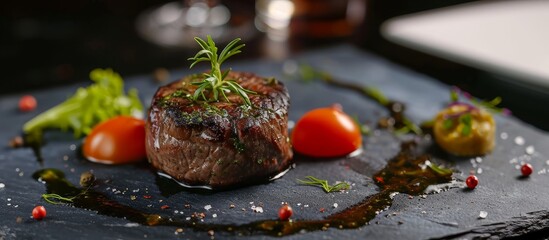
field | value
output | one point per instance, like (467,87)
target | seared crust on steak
(220,144)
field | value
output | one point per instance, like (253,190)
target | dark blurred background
(50,43)
(47,43)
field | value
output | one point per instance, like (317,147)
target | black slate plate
(508,199)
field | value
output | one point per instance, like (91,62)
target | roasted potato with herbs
(465,130)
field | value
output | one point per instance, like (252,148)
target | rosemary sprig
(214,83)
(312,181)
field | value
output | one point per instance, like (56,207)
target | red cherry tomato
(116,141)
(526,169)
(285,212)
(326,132)
(27,103)
(472,182)
(39,212)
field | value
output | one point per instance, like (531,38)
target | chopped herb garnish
(214,82)
(491,105)
(364,129)
(439,170)
(465,121)
(88,106)
(448,123)
(411,126)
(312,181)
(376,94)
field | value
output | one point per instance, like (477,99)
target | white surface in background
(506,37)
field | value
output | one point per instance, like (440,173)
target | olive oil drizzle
(402,174)
(34,140)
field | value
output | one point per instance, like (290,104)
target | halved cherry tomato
(116,141)
(326,132)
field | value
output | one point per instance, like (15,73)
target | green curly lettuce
(88,106)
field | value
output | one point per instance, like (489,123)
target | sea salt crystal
(479,171)
(335,205)
(131,225)
(2,185)
(291,124)
(72,147)
(530,150)
(214,215)
(504,135)
(482,214)
(257,209)
(478,159)
(208,207)
(473,163)
(519,140)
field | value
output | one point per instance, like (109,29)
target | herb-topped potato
(465,130)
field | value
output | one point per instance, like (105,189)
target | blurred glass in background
(56,42)
(309,19)
(175,24)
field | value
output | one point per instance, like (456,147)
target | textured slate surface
(500,192)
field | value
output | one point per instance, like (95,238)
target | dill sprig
(215,83)
(312,181)
(54,198)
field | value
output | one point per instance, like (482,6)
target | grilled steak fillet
(219,144)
